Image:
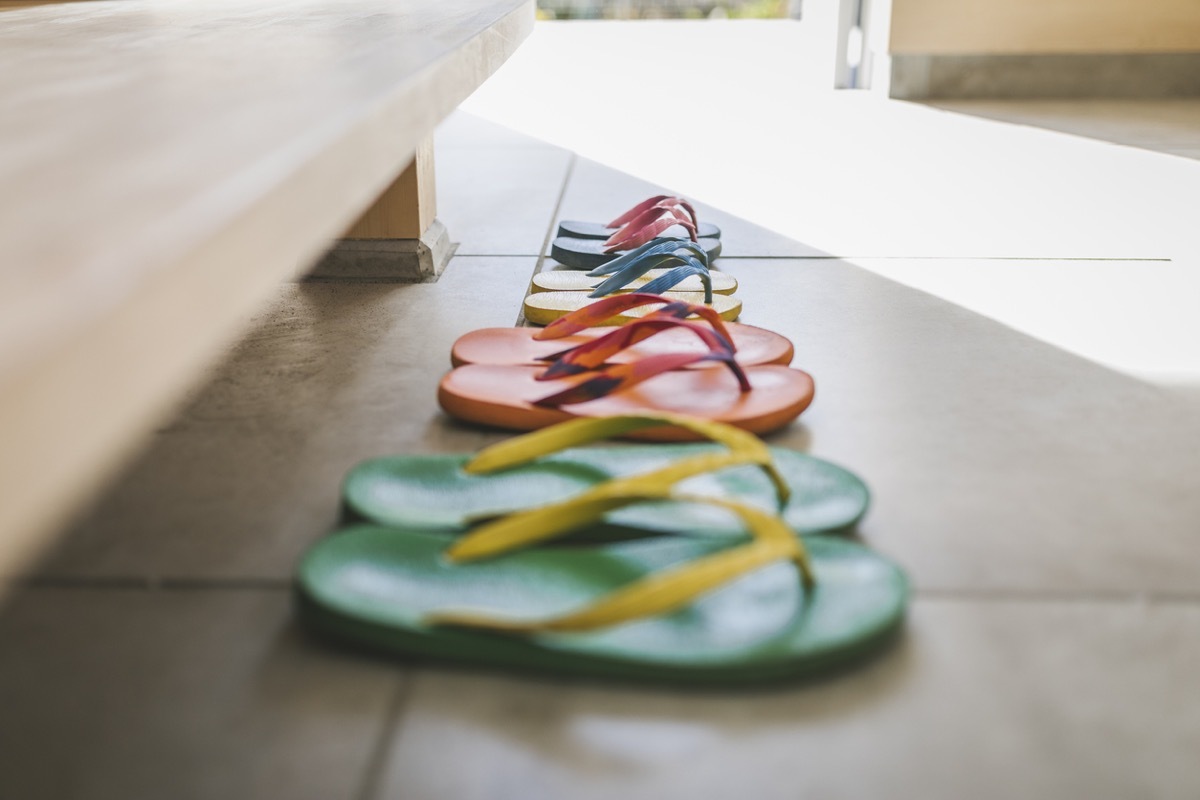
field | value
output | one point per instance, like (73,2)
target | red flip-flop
(759,399)
(531,346)
(650,212)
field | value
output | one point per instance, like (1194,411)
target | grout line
(354,280)
(454,148)
(251,584)
(151,584)
(495,255)
(1052,596)
(549,237)
(121,582)
(385,744)
(938,258)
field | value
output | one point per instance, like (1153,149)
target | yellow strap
(667,590)
(523,449)
(522,528)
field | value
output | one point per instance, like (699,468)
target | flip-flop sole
(572,280)
(517,346)
(373,586)
(589,253)
(542,308)
(432,492)
(503,397)
(578,229)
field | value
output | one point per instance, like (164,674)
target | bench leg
(399,237)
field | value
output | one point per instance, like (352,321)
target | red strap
(666,209)
(651,202)
(590,355)
(595,313)
(686,206)
(647,227)
(623,376)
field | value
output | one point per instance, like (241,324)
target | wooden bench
(164,165)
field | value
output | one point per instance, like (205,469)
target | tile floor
(1028,426)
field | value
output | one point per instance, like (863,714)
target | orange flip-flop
(511,397)
(759,399)
(532,346)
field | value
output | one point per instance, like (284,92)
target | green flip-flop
(673,609)
(450,493)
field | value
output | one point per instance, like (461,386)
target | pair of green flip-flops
(725,572)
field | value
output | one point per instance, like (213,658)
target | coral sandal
(677,610)
(759,399)
(449,493)
(532,346)
(646,213)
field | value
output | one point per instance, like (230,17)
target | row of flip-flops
(659,247)
(608,330)
(724,561)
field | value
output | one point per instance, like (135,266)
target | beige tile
(599,193)
(464,130)
(998,462)
(981,700)
(499,201)
(248,474)
(1133,316)
(863,177)
(1154,123)
(845,173)
(141,695)
(1043,75)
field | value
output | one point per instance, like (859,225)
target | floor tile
(847,173)
(998,462)
(1122,314)
(142,695)
(247,475)
(463,130)
(1136,122)
(1031,466)
(599,193)
(499,204)
(981,700)
(914,181)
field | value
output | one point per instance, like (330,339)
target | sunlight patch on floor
(1134,316)
(736,115)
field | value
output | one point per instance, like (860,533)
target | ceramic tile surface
(247,475)
(597,193)
(1154,123)
(125,693)
(983,445)
(476,187)
(985,700)
(850,173)
(1125,315)
(997,305)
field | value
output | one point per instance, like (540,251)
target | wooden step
(164,164)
